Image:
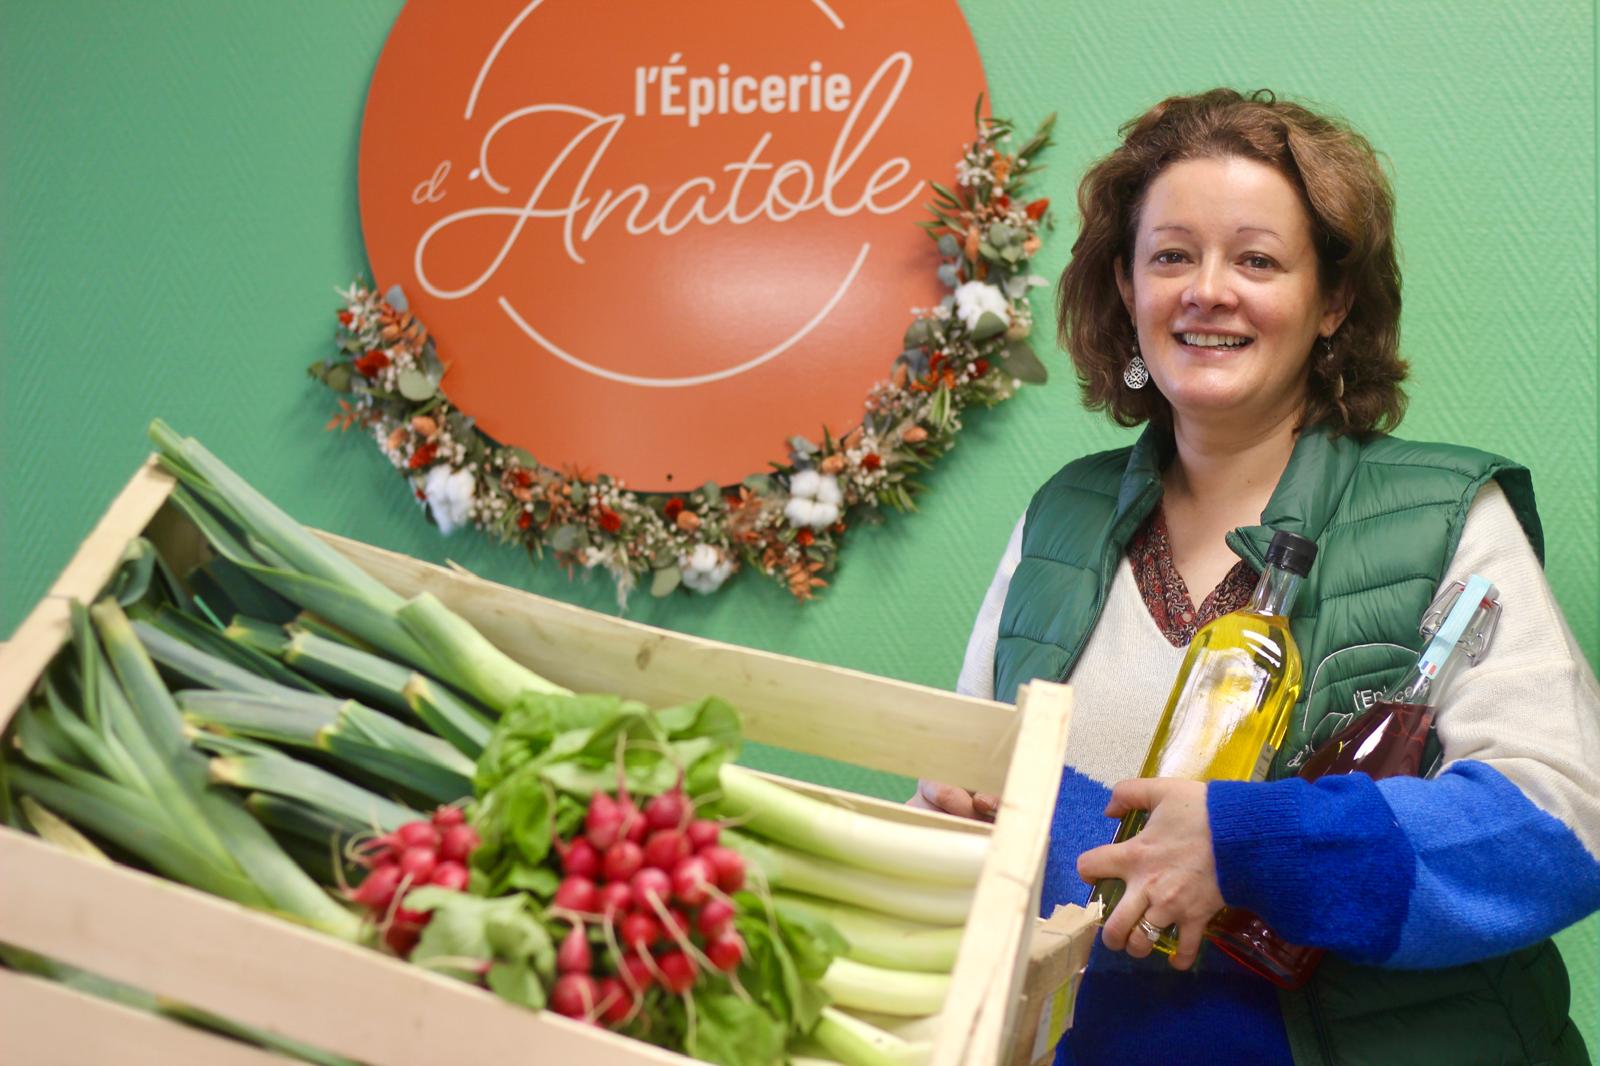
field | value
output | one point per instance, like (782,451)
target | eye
(1169,257)
(1257,261)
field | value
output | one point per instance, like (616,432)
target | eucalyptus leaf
(565,538)
(919,333)
(948,275)
(665,581)
(416,386)
(396,299)
(524,458)
(948,246)
(1017,287)
(1024,365)
(988,325)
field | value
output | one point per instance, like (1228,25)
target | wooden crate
(196,949)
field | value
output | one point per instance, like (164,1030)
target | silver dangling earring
(1326,346)
(1136,375)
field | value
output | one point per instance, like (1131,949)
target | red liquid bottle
(1386,741)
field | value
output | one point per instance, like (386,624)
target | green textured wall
(179,199)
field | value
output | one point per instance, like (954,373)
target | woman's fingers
(951,799)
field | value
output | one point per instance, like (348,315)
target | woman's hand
(1169,870)
(932,796)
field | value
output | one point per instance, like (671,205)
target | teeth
(1214,340)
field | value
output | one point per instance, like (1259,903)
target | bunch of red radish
(418,853)
(655,885)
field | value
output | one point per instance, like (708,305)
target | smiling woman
(1234,286)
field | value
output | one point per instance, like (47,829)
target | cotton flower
(814,500)
(975,298)
(704,569)
(449,495)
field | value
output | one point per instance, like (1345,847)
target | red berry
(677,972)
(715,918)
(622,860)
(665,848)
(703,834)
(457,842)
(691,880)
(577,894)
(726,951)
(451,875)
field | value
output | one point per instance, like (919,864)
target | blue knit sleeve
(1403,872)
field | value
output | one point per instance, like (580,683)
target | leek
(476,666)
(880,940)
(854,984)
(855,1043)
(943,856)
(799,872)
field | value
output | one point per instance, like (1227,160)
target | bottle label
(1263,763)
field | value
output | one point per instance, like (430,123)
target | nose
(1210,286)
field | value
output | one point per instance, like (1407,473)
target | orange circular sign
(656,239)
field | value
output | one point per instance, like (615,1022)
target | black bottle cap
(1292,552)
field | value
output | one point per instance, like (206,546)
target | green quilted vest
(1386,515)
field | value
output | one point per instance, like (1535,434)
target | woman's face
(1224,292)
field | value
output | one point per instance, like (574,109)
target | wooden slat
(988,977)
(50,1024)
(48,625)
(263,971)
(791,703)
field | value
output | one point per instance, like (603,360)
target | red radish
(651,883)
(635,969)
(715,918)
(639,931)
(725,951)
(576,894)
(622,860)
(665,848)
(729,867)
(445,817)
(703,834)
(633,823)
(417,834)
(675,924)
(603,822)
(573,995)
(456,843)
(616,1002)
(404,931)
(377,891)
(581,859)
(418,863)
(451,875)
(691,880)
(613,897)
(668,810)
(677,972)
(574,955)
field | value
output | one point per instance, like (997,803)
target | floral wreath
(788,523)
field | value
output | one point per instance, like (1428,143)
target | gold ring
(1151,932)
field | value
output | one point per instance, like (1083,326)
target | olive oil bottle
(1230,703)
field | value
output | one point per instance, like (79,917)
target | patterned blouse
(1167,597)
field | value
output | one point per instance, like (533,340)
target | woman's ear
(1124,285)
(1336,309)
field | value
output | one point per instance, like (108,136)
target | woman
(1234,286)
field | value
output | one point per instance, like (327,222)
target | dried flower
(449,496)
(687,521)
(914,435)
(832,464)
(976,298)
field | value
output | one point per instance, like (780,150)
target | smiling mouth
(1213,342)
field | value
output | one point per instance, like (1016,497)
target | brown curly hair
(1355,380)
